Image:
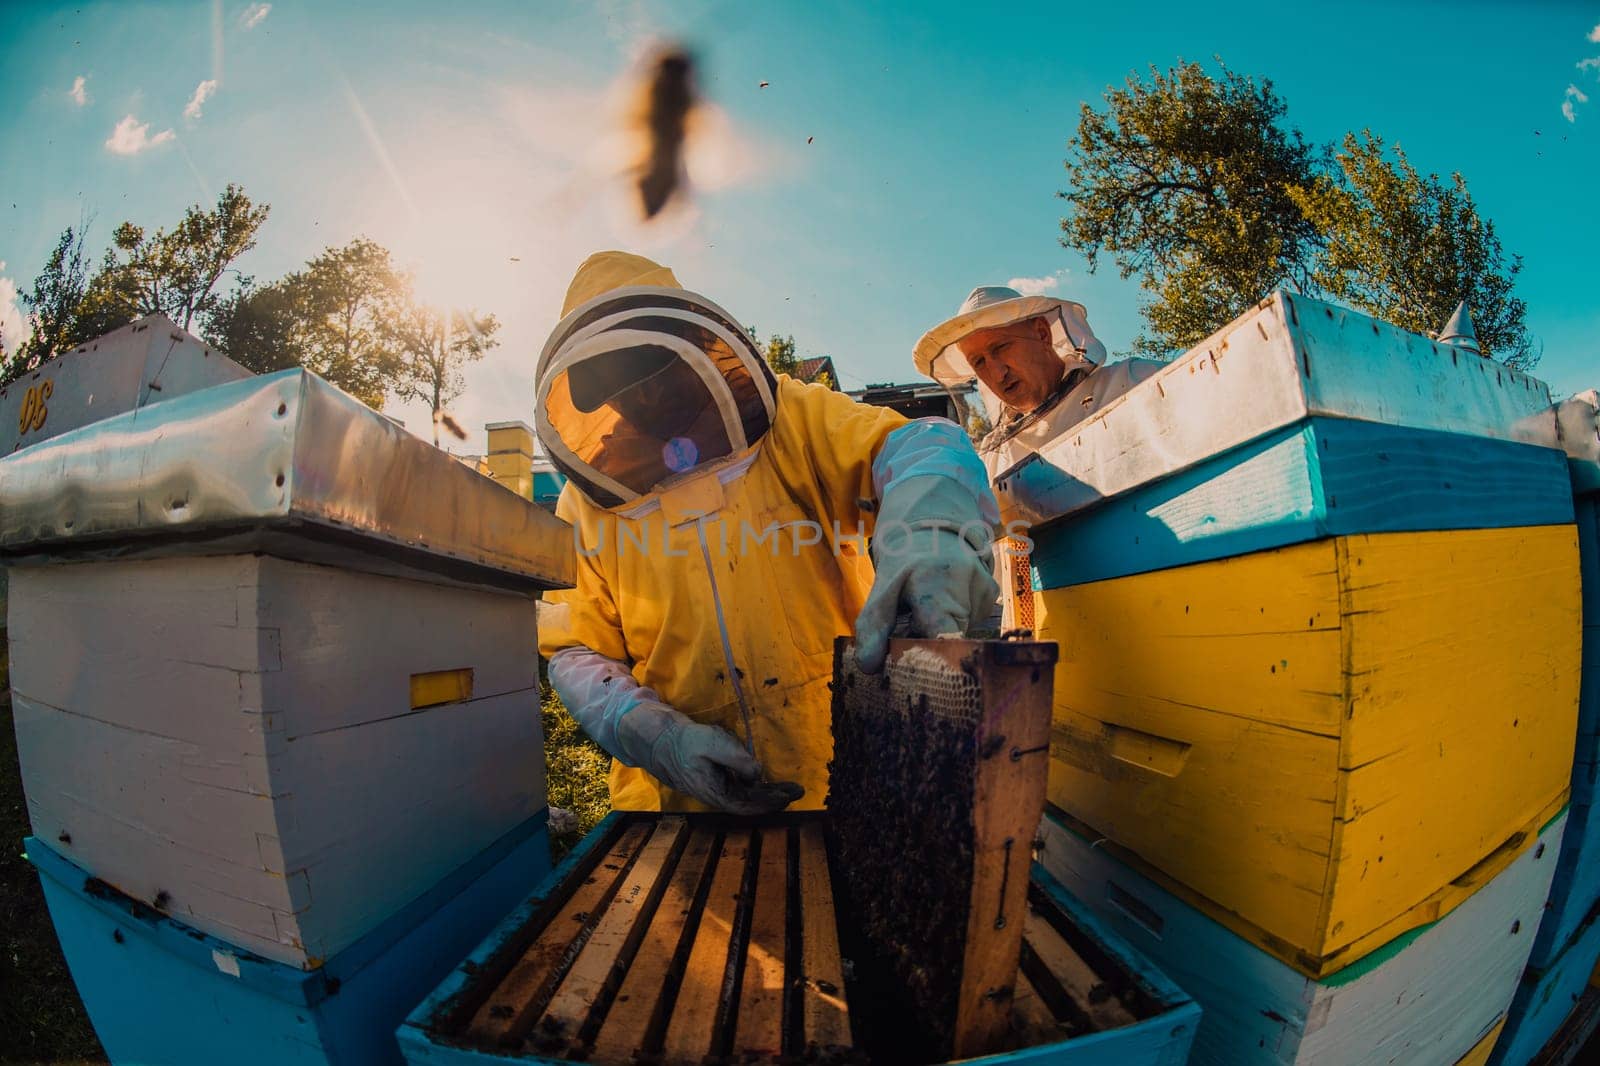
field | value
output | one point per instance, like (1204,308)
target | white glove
(630,721)
(934,555)
(702,761)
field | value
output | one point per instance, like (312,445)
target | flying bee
(661,121)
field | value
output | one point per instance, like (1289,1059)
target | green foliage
(52,306)
(336,317)
(782,356)
(1407,248)
(977,422)
(1186,182)
(1197,186)
(173,274)
(575,770)
(434,346)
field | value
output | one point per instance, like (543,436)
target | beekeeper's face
(1016,362)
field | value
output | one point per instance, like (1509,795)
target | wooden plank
(826,1017)
(1310,480)
(700,992)
(937,787)
(1460,730)
(1407,1003)
(759,1030)
(610,947)
(1032,1020)
(1196,721)
(1571,1042)
(369,839)
(1187,693)
(1547,995)
(1087,989)
(1255,637)
(1013,740)
(634,1012)
(1576,889)
(511,1009)
(331,620)
(1479,1055)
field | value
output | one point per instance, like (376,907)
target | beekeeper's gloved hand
(933,551)
(630,721)
(702,761)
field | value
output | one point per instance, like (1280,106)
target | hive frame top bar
(1290,358)
(287,464)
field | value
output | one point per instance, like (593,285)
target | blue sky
(899,155)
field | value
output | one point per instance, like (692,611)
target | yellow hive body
(1331,742)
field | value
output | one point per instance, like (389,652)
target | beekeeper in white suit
(1039,370)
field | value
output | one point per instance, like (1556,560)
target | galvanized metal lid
(284,464)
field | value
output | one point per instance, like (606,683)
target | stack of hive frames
(936,789)
(678,942)
(691,938)
(1569,936)
(1293,577)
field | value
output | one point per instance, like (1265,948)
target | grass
(41,1018)
(575,772)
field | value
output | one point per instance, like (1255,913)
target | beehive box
(144,362)
(695,938)
(1548,995)
(936,788)
(1437,994)
(1293,577)
(1577,884)
(270,660)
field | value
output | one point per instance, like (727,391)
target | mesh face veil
(643,385)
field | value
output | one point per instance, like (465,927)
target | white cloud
(253,15)
(1575,93)
(1567,112)
(13,323)
(132,137)
(1592,61)
(1594,34)
(1037,286)
(202,93)
(79,94)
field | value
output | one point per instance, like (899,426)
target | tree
(259,327)
(434,347)
(332,318)
(1196,185)
(173,274)
(1187,183)
(1408,248)
(347,295)
(52,307)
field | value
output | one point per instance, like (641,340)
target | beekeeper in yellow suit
(722,517)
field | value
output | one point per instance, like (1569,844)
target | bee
(668,97)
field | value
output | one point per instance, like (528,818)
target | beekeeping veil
(643,382)
(939,356)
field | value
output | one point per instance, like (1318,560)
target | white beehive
(273,659)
